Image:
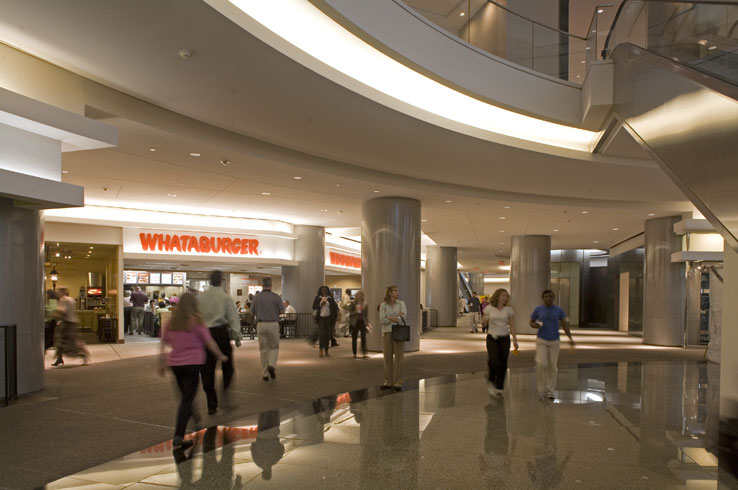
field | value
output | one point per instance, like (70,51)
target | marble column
(728,370)
(442,283)
(530,275)
(300,282)
(664,284)
(390,254)
(22,298)
(476,281)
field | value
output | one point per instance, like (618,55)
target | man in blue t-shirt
(546,318)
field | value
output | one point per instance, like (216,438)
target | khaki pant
(392,371)
(547,359)
(268,333)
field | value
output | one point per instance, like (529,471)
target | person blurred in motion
(219,312)
(392,311)
(68,341)
(498,317)
(546,319)
(325,310)
(267,450)
(50,321)
(267,308)
(188,336)
(358,310)
(344,313)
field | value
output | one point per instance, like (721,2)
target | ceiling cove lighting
(305,27)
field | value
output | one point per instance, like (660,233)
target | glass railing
(703,35)
(498,30)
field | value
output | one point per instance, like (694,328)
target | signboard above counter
(163,278)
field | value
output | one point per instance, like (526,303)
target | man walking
(219,312)
(546,318)
(138,300)
(266,308)
(474,309)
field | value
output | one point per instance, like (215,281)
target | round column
(442,283)
(300,282)
(22,298)
(664,284)
(476,281)
(390,254)
(530,275)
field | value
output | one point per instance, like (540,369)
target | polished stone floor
(650,425)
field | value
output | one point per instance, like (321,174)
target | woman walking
(326,313)
(357,321)
(498,317)
(392,311)
(188,337)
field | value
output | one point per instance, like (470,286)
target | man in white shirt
(288,308)
(219,312)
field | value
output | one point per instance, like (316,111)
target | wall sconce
(54,276)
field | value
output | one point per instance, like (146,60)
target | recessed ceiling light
(194,154)
(502,231)
(172,195)
(376,190)
(585,212)
(65,171)
(92,248)
(297,177)
(579,76)
(461,14)
(506,207)
(599,11)
(652,214)
(324,210)
(501,217)
(555,229)
(595,241)
(712,47)
(502,243)
(152,149)
(266,193)
(587,48)
(338,185)
(225,162)
(583,61)
(615,229)
(423,220)
(447,201)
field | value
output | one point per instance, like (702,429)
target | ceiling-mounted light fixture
(225,162)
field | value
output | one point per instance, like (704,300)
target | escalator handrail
(606,49)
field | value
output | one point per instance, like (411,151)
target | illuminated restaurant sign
(344,260)
(170,242)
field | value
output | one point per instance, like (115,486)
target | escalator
(676,92)
(465,289)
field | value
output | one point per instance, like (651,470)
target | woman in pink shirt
(188,337)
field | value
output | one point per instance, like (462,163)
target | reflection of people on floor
(217,474)
(495,464)
(545,471)
(267,450)
(357,397)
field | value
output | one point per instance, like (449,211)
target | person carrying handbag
(325,310)
(392,311)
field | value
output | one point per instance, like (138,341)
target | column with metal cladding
(390,254)
(300,282)
(663,285)
(476,281)
(22,283)
(530,275)
(442,283)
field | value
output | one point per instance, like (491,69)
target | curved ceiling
(314,128)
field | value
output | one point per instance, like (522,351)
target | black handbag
(401,331)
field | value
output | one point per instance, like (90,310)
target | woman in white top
(390,312)
(498,316)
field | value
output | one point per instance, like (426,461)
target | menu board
(155,278)
(178,278)
(131,277)
(143,277)
(166,277)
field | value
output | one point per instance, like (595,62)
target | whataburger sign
(344,260)
(139,241)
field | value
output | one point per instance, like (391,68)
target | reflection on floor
(613,426)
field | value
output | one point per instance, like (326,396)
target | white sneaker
(491,389)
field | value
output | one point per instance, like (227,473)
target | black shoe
(272,372)
(551,396)
(211,411)
(386,387)
(58,362)
(397,387)
(265,378)
(180,443)
(335,344)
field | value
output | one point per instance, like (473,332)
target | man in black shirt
(474,307)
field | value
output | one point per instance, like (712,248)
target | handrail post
(11,360)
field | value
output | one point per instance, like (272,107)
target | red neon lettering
(174,244)
(254,247)
(236,245)
(244,246)
(227,246)
(215,244)
(148,241)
